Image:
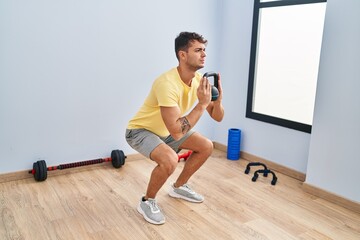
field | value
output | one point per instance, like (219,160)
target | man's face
(195,56)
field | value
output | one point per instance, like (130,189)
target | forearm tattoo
(184,124)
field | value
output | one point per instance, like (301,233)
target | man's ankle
(175,185)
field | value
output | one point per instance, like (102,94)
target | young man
(160,129)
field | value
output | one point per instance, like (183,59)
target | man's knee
(208,146)
(205,147)
(166,158)
(170,162)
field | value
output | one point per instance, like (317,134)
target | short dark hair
(183,40)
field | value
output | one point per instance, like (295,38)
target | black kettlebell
(214,88)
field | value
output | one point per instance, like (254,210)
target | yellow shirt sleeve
(166,93)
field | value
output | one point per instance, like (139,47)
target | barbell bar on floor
(40,169)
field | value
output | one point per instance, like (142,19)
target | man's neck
(186,75)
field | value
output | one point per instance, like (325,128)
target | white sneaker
(151,211)
(186,193)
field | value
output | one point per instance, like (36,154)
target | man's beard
(197,67)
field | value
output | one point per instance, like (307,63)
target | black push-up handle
(247,170)
(256,175)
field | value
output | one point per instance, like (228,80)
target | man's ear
(182,54)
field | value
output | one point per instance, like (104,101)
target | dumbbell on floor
(184,155)
(40,169)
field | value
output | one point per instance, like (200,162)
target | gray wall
(334,161)
(72,73)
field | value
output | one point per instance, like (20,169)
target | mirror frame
(252,67)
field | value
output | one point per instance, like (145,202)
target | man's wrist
(217,104)
(201,106)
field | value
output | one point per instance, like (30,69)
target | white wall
(72,73)
(334,161)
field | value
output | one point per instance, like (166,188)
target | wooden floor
(100,203)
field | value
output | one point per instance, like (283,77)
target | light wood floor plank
(100,203)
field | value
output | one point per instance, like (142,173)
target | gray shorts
(145,141)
